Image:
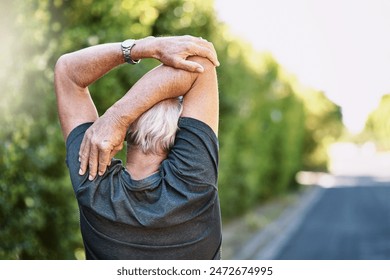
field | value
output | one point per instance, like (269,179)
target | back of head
(155,130)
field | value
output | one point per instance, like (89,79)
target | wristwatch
(127,45)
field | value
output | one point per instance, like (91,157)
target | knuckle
(88,134)
(92,155)
(92,163)
(168,60)
(83,157)
(211,45)
(94,141)
(105,146)
(176,63)
(103,161)
(117,148)
(190,46)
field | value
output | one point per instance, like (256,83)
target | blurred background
(302,91)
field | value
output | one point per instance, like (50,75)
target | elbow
(64,72)
(63,75)
(67,69)
(61,66)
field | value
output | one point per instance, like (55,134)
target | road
(351,221)
(347,216)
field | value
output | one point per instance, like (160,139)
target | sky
(341,47)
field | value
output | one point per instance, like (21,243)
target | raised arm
(75,71)
(200,102)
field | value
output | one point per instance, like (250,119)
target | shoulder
(195,136)
(194,157)
(196,127)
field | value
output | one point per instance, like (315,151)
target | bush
(266,125)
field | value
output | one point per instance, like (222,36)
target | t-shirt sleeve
(194,157)
(73,144)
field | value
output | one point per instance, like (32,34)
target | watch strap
(127,45)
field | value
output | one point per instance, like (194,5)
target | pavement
(348,221)
(261,233)
(342,215)
(247,234)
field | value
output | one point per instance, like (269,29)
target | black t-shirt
(172,214)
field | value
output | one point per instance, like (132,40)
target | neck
(141,165)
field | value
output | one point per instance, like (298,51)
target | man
(163,204)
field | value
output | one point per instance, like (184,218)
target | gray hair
(155,130)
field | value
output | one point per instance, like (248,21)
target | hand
(100,144)
(174,51)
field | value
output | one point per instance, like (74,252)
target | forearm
(85,66)
(161,83)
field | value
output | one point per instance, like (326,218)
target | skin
(188,69)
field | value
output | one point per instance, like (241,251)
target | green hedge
(378,124)
(266,132)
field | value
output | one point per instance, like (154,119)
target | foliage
(322,126)
(269,129)
(378,124)
(37,207)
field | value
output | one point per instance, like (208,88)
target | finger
(104,159)
(209,53)
(112,155)
(201,47)
(204,51)
(93,162)
(114,152)
(207,50)
(82,147)
(190,66)
(84,156)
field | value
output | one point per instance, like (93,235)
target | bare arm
(76,71)
(73,74)
(200,102)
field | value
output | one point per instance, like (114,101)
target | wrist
(146,48)
(119,119)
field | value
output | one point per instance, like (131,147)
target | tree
(378,124)
(37,206)
(266,124)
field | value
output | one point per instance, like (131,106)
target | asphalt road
(349,219)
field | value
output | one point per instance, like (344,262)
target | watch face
(128,43)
